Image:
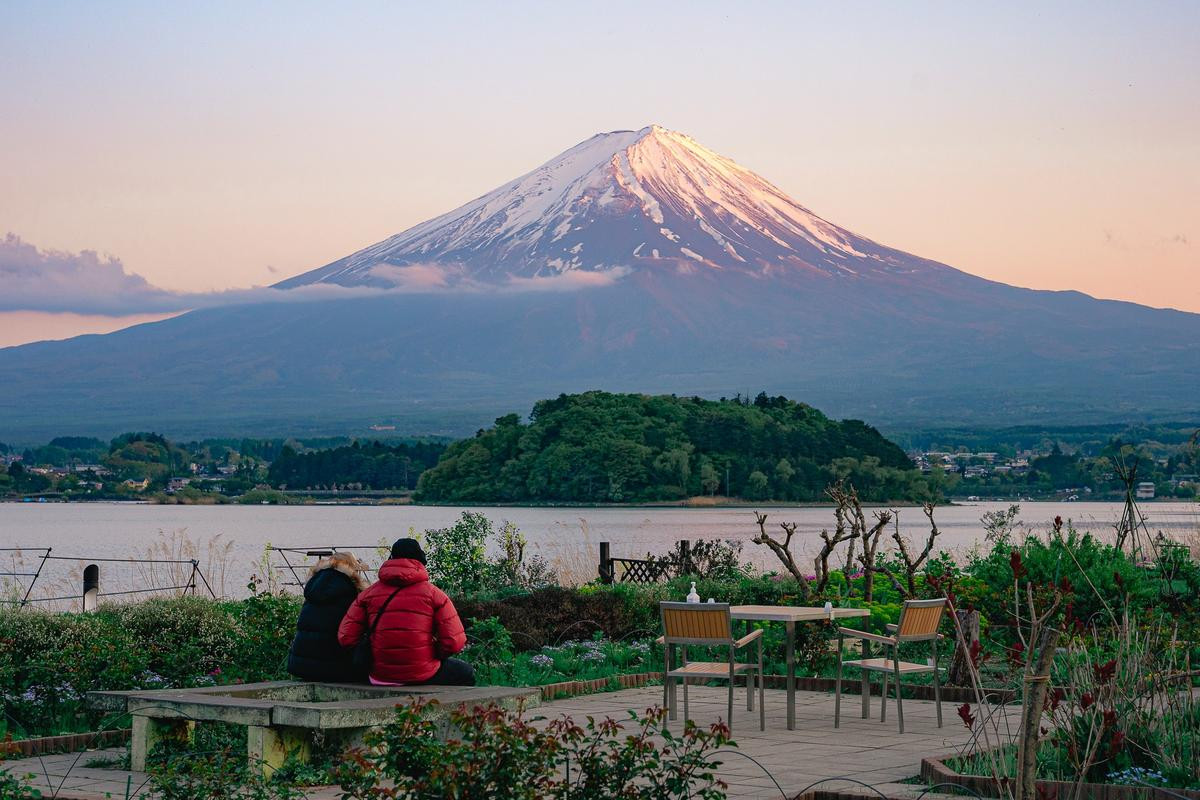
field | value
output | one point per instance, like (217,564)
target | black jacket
(315,654)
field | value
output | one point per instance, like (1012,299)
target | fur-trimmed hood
(344,563)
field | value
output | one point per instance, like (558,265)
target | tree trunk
(1036,687)
(960,665)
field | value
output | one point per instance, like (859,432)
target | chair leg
(837,692)
(669,684)
(883,698)
(937,689)
(730,710)
(749,690)
(866,682)
(899,702)
(762,700)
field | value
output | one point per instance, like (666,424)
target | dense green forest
(372,465)
(602,447)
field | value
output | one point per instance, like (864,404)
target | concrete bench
(281,716)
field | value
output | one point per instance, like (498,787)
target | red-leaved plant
(494,752)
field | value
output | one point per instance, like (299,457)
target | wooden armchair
(707,625)
(919,621)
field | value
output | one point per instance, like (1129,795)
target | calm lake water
(229,540)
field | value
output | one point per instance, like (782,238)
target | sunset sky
(229,145)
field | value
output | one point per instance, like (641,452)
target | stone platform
(281,716)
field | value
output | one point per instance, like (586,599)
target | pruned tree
(908,587)
(1040,647)
(852,526)
(830,543)
(783,551)
(869,547)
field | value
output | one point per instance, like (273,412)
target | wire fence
(291,564)
(175,576)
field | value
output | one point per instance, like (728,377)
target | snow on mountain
(625,200)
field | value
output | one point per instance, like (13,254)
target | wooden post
(91,587)
(606,566)
(685,557)
(960,664)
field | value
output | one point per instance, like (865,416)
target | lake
(229,541)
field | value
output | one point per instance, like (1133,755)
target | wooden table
(790,615)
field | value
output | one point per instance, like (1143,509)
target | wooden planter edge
(934,771)
(65,743)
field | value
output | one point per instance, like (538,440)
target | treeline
(603,447)
(372,465)
(1057,472)
(1160,439)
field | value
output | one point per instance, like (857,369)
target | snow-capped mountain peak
(625,201)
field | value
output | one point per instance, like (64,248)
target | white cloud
(87,283)
(568,281)
(51,280)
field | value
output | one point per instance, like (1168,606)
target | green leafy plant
(456,556)
(492,752)
(16,787)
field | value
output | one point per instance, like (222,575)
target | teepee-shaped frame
(1132,529)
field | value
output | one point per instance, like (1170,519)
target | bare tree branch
(782,550)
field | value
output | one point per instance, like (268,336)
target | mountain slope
(648,199)
(635,261)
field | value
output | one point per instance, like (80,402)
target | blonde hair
(345,563)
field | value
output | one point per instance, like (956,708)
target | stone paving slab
(861,749)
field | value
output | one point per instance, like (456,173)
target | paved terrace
(862,749)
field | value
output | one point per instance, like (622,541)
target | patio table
(789,616)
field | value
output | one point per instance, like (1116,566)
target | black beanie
(408,548)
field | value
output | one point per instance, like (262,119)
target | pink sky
(218,146)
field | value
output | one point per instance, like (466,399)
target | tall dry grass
(144,574)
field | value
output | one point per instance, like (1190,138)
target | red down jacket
(419,628)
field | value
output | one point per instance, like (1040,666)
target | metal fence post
(91,587)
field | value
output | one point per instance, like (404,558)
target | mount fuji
(651,199)
(634,261)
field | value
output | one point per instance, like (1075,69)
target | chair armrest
(748,638)
(871,637)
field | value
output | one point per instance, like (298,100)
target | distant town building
(1145,490)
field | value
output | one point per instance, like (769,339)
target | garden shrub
(182,637)
(49,661)
(494,752)
(1102,577)
(214,775)
(268,624)
(457,560)
(555,613)
(16,787)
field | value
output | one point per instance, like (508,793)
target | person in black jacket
(333,584)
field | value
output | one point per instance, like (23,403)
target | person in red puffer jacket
(418,628)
